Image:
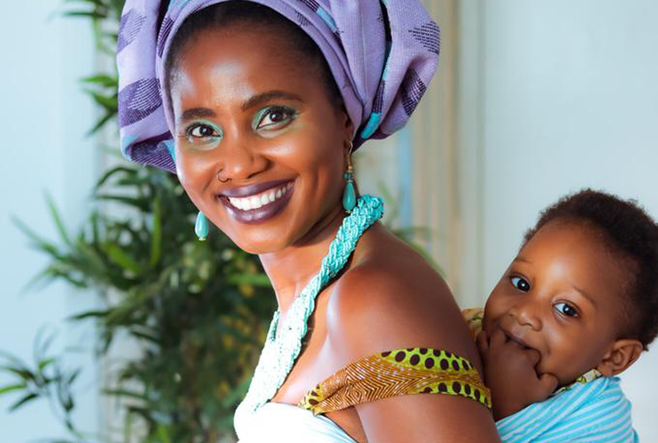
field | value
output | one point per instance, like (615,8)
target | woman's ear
(621,355)
(348,126)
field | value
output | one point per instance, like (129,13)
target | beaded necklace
(281,350)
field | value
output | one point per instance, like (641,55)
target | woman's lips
(257,203)
(256,188)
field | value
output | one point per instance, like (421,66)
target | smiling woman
(261,106)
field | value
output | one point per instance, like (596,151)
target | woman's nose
(527,312)
(239,161)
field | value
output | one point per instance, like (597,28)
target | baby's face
(562,296)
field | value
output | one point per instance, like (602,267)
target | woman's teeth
(260,200)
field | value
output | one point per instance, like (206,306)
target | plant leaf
(101,79)
(87,14)
(89,314)
(156,235)
(23,401)
(44,363)
(11,388)
(57,219)
(101,122)
(117,255)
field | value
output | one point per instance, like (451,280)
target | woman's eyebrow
(191,114)
(269,96)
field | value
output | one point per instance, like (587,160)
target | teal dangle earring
(349,194)
(201,226)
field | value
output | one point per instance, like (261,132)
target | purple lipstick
(258,203)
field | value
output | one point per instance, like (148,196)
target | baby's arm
(509,371)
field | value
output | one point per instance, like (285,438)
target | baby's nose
(527,313)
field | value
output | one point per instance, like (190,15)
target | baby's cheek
(565,368)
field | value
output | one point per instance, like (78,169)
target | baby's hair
(226,14)
(628,232)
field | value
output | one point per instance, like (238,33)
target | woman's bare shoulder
(392,301)
(386,302)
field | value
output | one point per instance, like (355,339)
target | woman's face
(249,110)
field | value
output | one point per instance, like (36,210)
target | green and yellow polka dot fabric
(398,372)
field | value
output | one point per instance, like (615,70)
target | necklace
(281,350)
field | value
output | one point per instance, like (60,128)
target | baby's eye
(520,283)
(567,310)
(275,117)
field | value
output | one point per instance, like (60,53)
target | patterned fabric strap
(399,372)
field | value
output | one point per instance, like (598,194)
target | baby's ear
(620,356)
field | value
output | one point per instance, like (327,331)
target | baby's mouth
(518,340)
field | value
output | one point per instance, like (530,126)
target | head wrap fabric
(382,54)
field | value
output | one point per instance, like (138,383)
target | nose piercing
(223,180)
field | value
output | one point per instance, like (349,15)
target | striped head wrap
(382,54)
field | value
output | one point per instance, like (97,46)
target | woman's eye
(201,131)
(566,309)
(520,283)
(275,117)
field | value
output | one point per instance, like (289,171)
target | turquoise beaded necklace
(281,350)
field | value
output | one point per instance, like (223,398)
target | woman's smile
(257,203)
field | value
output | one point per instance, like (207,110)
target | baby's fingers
(482,342)
(532,355)
(498,338)
(547,384)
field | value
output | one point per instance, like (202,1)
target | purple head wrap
(382,54)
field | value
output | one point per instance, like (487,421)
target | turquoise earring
(349,194)
(201,226)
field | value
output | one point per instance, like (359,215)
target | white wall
(43,119)
(567,97)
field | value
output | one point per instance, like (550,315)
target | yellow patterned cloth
(398,372)
(474,317)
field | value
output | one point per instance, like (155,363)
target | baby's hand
(509,370)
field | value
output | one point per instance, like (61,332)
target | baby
(576,307)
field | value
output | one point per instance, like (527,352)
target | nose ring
(222,180)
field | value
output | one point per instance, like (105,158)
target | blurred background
(533,100)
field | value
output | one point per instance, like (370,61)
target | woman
(257,106)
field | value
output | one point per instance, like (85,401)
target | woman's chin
(260,246)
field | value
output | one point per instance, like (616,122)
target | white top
(279,422)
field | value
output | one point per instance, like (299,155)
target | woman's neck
(290,269)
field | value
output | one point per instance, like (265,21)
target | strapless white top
(279,422)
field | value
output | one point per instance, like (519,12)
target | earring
(201,226)
(349,194)
(222,180)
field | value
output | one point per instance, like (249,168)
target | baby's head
(583,289)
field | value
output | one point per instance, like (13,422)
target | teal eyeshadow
(293,114)
(207,123)
(258,117)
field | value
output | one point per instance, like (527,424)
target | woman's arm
(374,310)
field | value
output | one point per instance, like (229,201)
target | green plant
(48,379)
(199,310)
